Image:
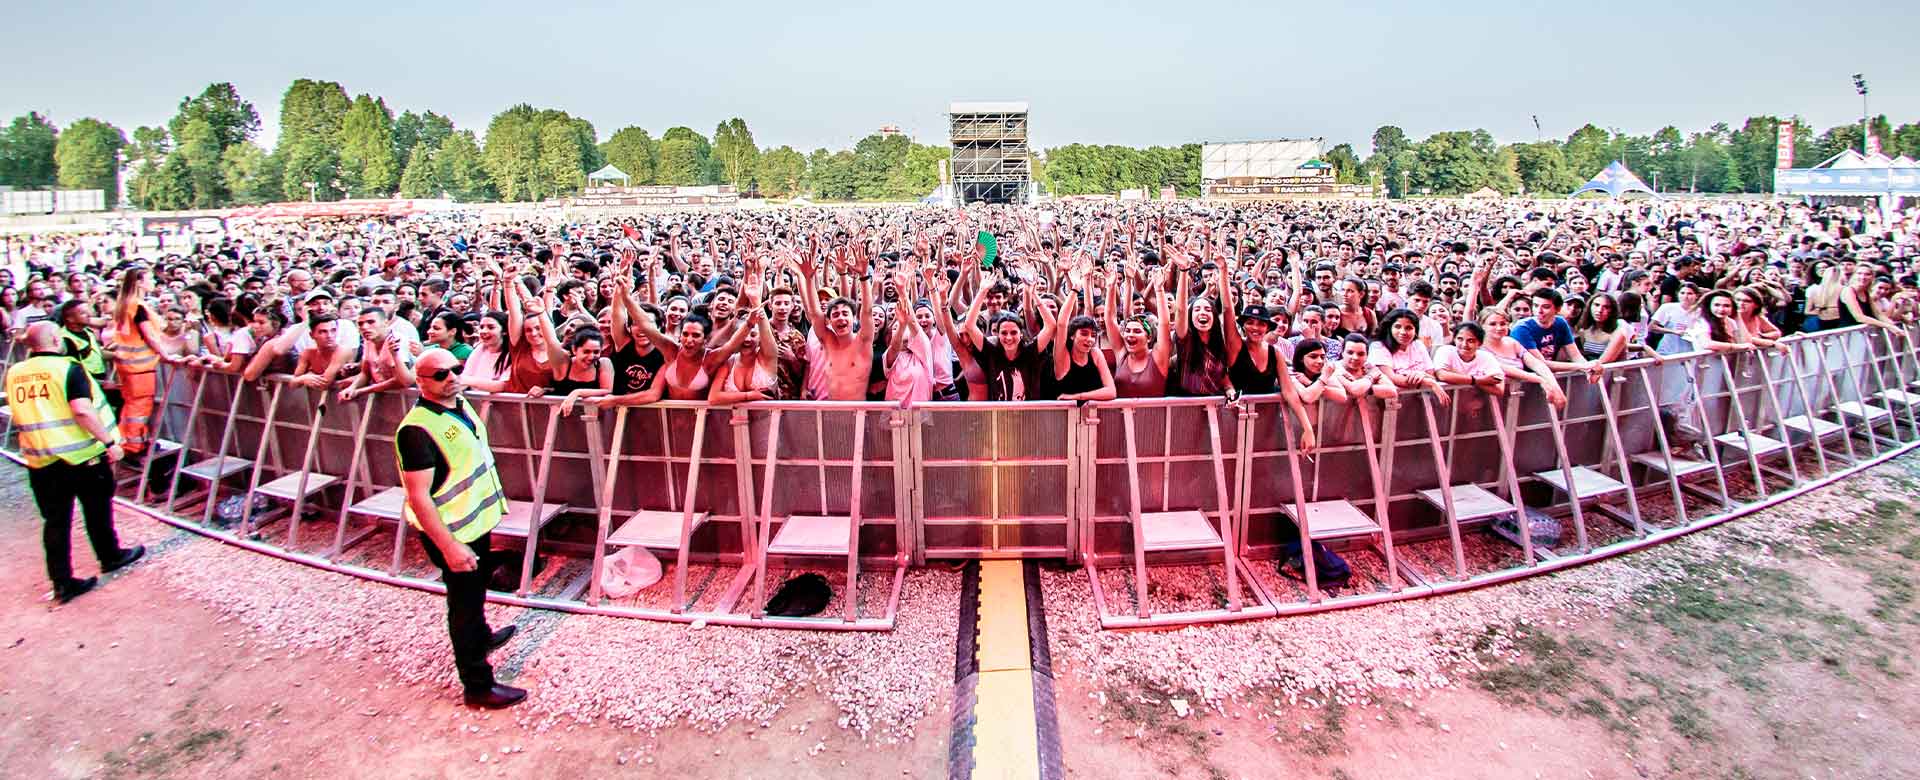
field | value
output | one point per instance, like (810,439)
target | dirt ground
(1788,656)
(1793,661)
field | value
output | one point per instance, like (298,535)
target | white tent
(608,174)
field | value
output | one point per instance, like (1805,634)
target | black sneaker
(73,588)
(127,557)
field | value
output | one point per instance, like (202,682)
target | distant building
(889,131)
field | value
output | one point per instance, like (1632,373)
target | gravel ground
(1391,650)
(628,673)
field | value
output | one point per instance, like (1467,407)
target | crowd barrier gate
(1423,493)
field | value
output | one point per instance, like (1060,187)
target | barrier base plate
(1173,531)
(1854,410)
(287,488)
(519,516)
(1682,467)
(1813,425)
(216,468)
(1762,445)
(385,504)
(1587,482)
(655,528)
(811,535)
(1334,520)
(1899,397)
(1470,502)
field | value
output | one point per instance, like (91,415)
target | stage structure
(1271,170)
(991,161)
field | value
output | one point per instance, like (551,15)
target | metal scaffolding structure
(991,161)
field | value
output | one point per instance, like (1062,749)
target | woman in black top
(1080,371)
(1256,369)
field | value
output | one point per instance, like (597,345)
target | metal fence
(1419,496)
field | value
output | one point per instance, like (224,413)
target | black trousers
(466,612)
(55,487)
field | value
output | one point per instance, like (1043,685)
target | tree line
(333,146)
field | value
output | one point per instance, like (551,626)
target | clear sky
(826,74)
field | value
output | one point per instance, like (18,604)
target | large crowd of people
(1065,301)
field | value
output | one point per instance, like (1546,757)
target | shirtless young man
(321,365)
(840,370)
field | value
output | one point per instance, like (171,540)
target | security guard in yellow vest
(79,342)
(69,443)
(454,499)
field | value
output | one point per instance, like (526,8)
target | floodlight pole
(1866,126)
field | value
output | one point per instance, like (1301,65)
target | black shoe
(127,557)
(496,698)
(501,637)
(73,588)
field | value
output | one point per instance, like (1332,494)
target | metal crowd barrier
(1418,496)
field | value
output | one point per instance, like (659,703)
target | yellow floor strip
(1006,742)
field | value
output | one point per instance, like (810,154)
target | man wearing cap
(69,442)
(454,499)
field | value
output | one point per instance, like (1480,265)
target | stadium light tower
(1860,86)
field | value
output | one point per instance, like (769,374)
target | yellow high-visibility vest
(88,348)
(37,394)
(471,500)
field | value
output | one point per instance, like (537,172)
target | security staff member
(454,499)
(69,443)
(76,336)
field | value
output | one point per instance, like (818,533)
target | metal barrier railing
(1406,484)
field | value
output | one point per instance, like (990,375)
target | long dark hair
(1587,322)
(1717,329)
(1384,331)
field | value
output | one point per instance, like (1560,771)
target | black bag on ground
(160,472)
(801,596)
(1329,568)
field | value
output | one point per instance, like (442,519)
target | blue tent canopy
(1615,181)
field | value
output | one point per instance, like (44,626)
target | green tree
(1346,164)
(199,153)
(831,175)
(1905,140)
(88,156)
(308,149)
(145,155)
(559,168)
(781,172)
(460,169)
(366,149)
(419,180)
(680,162)
(411,129)
(1453,163)
(734,152)
(1392,159)
(203,129)
(513,151)
(634,152)
(27,152)
(708,172)
(1588,151)
(249,173)
(171,186)
(875,158)
(1542,168)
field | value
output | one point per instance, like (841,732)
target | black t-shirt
(634,372)
(1013,379)
(417,450)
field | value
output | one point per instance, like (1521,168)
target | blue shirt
(1548,340)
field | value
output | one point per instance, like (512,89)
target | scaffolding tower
(991,161)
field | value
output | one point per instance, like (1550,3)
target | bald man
(69,442)
(454,498)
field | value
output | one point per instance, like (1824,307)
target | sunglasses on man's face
(441,374)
